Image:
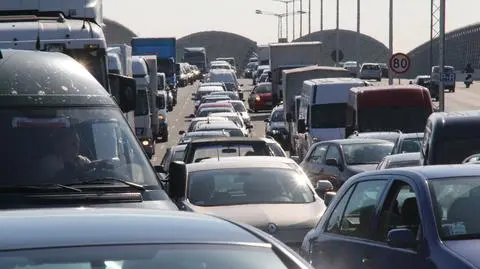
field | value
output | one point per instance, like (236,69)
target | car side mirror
(191,116)
(266,120)
(295,158)
(181,132)
(124,91)
(241,85)
(322,187)
(178,180)
(328,197)
(401,238)
(301,126)
(331,162)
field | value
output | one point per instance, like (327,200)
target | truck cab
(162,106)
(143,113)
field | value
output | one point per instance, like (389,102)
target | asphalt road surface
(461,99)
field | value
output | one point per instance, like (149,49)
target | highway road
(461,99)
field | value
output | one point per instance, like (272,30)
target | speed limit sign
(399,63)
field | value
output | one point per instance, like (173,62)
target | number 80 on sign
(399,63)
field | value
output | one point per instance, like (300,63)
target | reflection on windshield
(248,186)
(239,107)
(184,256)
(61,145)
(456,201)
(267,88)
(366,153)
(142,106)
(411,145)
(405,119)
(94,61)
(207,111)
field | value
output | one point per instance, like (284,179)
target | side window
(318,154)
(166,158)
(333,224)
(334,153)
(399,211)
(356,219)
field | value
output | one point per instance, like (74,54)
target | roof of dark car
(40,228)
(432,172)
(53,78)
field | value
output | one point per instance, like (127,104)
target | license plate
(139,131)
(448,77)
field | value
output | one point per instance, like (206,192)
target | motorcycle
(468,80)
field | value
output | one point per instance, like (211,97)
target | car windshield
(411,145)
(456,202)
(218,151)
(366,153)
(62,146)
(142,106)
(454,150)
(207,111)
(239,106)
(277,116)
(185,256)
(405,119)
(329,115)
(267,88)
(371,67)
(222,77)
(231,131)
(248,185)
(398,164)
(194,124)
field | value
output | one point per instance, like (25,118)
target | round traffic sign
(399,63)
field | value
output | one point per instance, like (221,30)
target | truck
(120,62)
(285,56)
(146,112)
(71,27)
(292,90)
(196,56)
(165,48)
(263,55)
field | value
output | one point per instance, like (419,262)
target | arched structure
(462,46)
(219,44)
(117,33)
(371,50)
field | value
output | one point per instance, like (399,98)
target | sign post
(399,63)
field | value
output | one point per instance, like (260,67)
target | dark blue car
(419,217)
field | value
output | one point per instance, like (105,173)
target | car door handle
(366,261)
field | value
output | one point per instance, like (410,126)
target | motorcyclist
(469,69)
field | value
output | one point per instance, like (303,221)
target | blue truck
(165,48)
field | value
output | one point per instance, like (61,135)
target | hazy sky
(182,17)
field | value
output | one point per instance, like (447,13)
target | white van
(324,105)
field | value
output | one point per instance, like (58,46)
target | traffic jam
(135,156)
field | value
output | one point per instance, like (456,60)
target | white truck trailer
(73,27)
(284,56)
(292,89)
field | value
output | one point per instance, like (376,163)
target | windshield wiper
(107,180)
(29,188)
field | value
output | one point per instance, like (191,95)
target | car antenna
(84,14)
(37,43)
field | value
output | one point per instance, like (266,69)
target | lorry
(292,90)
(71,27)
(285,56)
(120,62)
(165,48)
(263,55)
(146,112)
(196,56)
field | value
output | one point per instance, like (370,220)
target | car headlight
(161,117)
(275,131)
(145,142)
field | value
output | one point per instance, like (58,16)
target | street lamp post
(286,2)
(441,64)
(390,41)
(321,15)
(301,18)
(309,16)
(357,39)
(337,45)
(293,30)
(279,16)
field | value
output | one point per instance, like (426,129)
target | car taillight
(257,98)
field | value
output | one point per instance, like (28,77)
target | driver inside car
(65,155)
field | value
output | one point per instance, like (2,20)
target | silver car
(371,71)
